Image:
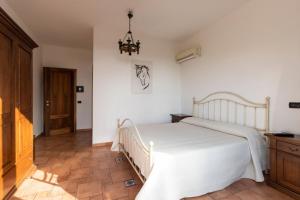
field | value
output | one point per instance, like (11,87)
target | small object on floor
(119,159)
(129,183)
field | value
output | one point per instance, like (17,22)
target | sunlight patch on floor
(42,185)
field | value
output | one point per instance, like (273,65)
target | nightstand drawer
(289,148)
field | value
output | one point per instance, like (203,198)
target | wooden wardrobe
(16,131)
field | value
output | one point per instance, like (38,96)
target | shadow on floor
(68,167)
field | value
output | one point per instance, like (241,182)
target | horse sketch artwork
(141,77)
(142,73)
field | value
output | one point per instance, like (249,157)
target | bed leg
(151,154)
(118,132)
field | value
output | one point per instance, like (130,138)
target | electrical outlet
(294,105)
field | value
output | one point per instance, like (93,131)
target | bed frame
(135,143)
(219,106)
(233,108)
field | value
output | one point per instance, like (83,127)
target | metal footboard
(134,149)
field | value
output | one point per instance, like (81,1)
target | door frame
(46,70)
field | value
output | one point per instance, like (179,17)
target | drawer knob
(293,149)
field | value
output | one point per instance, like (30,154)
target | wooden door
(7,136)
(59,101)
(288,171)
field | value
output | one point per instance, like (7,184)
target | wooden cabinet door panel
(23,112)
(273,161)
(7,137)
(6,107)
(24,130)
(288,170)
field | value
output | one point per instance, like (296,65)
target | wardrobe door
(24,129)
(7,137)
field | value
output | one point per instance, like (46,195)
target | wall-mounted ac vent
(188,55)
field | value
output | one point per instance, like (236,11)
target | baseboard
(29,173)
(104,144)
(39,135)
(9,195)
(84,130)
(283,189)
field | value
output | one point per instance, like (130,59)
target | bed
(222,143)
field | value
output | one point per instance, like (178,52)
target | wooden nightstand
(178,117)
(284,158)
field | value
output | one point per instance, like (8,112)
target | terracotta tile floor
(69,168)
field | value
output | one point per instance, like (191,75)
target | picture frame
(141,77)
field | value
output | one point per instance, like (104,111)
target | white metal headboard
(233,108)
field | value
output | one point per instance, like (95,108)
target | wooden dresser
(284,158)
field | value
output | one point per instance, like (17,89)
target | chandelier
(127,44)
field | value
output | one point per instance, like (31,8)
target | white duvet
(196,156)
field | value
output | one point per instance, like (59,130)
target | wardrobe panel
(7,136)
(16,133)
(24,128)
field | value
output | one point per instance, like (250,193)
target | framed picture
(141,77)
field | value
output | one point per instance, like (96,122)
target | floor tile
(103,175)
(69,168)
(220,194)
(80,173)
(266,191)
(114,191)
(89,189)
(97,197)
(249,195)
(121,175)
(204,197)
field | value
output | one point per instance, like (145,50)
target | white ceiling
(70,22)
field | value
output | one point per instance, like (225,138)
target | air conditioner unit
(188,55)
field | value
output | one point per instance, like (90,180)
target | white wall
(37,75)
(254,52)
(17,19)
(82,60)
(112,84)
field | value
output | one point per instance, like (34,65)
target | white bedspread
(195,156)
